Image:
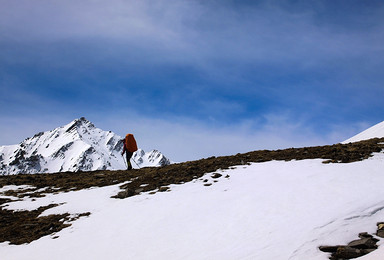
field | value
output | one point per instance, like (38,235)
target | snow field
(272,210)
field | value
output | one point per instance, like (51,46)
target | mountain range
(77,146)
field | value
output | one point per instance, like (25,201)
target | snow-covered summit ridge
(376,131)
(77,146)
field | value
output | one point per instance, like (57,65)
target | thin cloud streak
(189,32)
(228,73)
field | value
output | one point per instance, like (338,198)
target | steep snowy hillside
(268,210)
(372,132)
(77,146)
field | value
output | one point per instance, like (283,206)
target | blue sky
(194,78)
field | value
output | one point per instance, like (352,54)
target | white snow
(272,210)
(372,132)
(76,146)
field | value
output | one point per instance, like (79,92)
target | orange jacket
(129,144)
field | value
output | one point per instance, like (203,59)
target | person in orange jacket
(129,148)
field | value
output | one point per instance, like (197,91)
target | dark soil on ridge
(18,226)
(157,177)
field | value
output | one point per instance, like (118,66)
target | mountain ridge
(76,146)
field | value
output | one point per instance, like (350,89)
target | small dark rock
(164,188)
(346,252)
(380,233)
(328,249)
(216,175)
(364,243)
(380,225)
(125,194)
(365,235)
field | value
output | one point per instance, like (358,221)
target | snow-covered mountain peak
(77,146)
(376,131)
(78,124)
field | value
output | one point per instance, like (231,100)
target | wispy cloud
(201,33)
(209,70)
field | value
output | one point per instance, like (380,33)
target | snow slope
(372,132)
(77,146)
(271,210)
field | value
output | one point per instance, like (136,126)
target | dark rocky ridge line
(158,179)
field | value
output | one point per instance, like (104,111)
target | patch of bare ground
(25,226)
(19,227)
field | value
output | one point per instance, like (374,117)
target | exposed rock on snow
(380,229)
(77,146)
(365,245)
